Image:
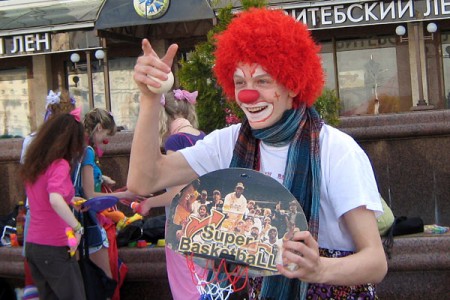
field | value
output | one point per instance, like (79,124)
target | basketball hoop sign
(236,218)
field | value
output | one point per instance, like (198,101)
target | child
(98,125)
(56,103)
(46,173)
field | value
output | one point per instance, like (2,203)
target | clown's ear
(292,94)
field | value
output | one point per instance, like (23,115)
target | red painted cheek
(277,96)
(248,96)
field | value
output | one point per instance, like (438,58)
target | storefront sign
(46,42)
(25,44)
(344,14)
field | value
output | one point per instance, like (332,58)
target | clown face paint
(261,98)
(100,138)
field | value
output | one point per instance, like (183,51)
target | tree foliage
(328,106)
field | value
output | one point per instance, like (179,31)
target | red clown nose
(248,96)
(105,141)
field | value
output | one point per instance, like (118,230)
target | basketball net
(223,279)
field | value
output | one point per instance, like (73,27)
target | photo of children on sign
(238,214)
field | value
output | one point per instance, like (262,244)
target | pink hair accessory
(76,113)
(185,95)
(163,100)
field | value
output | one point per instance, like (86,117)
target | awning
(32,16)
(119,13)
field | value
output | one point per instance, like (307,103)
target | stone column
(38,88)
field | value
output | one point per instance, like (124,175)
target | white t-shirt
(234,205)
(347,178)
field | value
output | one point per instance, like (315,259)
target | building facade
(380,57)
(88,47)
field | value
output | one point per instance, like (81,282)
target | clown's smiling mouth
(256,109)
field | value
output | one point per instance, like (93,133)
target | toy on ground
(100,203)
(127,221)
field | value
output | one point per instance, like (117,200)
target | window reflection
(368,77)
(14,108)
(328,65)
(123,90)
(446,66)
(373,75)
(79,88)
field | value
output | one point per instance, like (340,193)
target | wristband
(80,231)
(77,227)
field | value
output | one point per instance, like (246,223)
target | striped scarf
(301,128)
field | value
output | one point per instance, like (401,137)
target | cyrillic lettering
(350,13)
(339,17)
(17,42)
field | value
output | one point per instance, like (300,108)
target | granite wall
(410,153)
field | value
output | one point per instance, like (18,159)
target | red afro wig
(274,40)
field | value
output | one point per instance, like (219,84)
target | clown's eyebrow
(255,71)
(239,76)
(259,72)
(239,73)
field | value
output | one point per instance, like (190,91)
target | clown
(269,64)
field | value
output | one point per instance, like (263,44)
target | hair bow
(53,98)
(76,113)
(185,95)
(163,100)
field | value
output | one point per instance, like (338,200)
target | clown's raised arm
(149,170)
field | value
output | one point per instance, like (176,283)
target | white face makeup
(268,100)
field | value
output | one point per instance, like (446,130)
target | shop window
(434,85)
(445,37)
(124,92)
(369,79)
(79,88)
(14,108)
(328,65)
(78,82)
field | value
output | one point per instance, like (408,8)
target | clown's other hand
(143,208)
(301,258)
(150,65)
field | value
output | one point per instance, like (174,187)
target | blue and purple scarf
(300,128)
